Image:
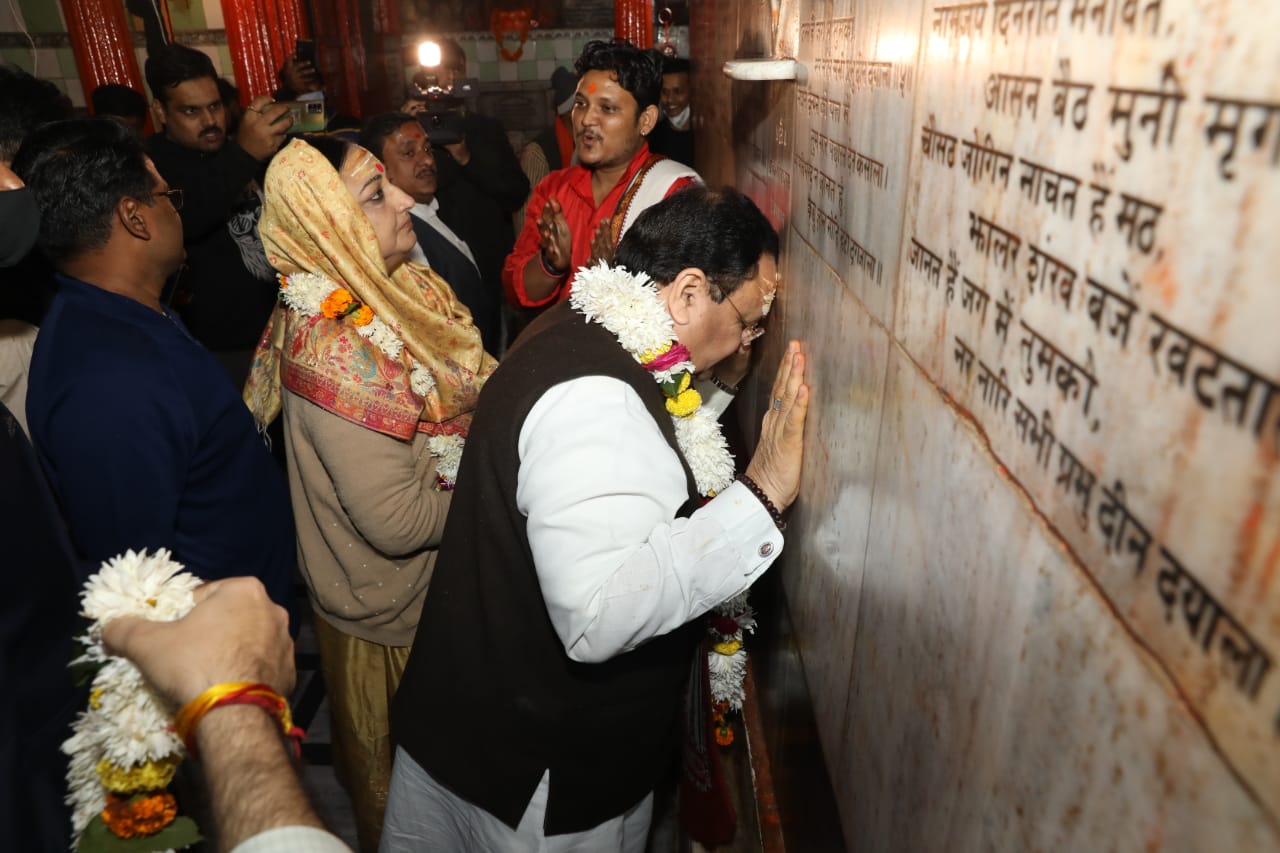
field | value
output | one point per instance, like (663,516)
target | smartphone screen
(305,51)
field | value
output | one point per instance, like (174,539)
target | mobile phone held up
(304,50)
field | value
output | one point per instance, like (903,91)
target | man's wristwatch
(723,386)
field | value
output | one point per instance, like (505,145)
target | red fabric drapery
(341,52)
(260,34)
(633,20)
(102,43)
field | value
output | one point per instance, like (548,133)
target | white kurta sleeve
(600,487)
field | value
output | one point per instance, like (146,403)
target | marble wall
(1030,246)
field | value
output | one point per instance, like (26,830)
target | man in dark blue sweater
(142,434)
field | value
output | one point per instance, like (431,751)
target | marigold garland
(139,815)
(336,304)
(719,722)
(311,294)
(147,776)
(122,748)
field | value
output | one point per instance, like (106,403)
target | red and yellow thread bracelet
(235,693)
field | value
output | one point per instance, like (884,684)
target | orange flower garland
(724,731)
(139,815)
(362,316)
(336,304)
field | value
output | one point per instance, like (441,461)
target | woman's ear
(685,294)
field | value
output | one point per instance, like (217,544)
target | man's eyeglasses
(749,331)
(174,196)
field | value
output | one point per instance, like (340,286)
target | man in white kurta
(576,557)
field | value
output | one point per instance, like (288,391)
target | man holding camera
(227,289)
(581,212)
(480,182)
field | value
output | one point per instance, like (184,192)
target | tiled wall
(544,50)
(199,23)
(54,60)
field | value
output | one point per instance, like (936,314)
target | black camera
(443,119)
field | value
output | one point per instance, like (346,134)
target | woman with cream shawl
(376,366)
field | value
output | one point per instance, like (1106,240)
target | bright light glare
(429,54)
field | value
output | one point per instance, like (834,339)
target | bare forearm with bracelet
(541,279)
(253,785)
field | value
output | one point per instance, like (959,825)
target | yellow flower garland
(685,403)
(150,776)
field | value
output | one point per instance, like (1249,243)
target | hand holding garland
(234,633)
(775,466)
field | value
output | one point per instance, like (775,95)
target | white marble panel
(997,703)
(1053,596)
(824,577)
(853,110)
(1087,272)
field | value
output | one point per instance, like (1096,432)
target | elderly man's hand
(234,633)
(775,467)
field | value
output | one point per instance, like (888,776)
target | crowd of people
(505,563)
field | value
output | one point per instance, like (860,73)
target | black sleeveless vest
(489,698)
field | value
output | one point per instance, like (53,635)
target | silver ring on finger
(777,404)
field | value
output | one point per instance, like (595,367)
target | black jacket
(489,698)
(478,200)
(462,275)
(224,304)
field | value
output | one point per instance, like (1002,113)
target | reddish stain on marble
(1163,281)
(1269,565)
(1247,542)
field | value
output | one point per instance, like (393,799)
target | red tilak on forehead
(591,88)
(379,167)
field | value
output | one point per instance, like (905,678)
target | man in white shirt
(541,702)
(399,141)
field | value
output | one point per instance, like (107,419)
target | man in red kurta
(582,211)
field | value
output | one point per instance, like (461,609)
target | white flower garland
(306,292)
(448,452)
(628,305)
(126,723)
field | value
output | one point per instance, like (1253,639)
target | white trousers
(423,815)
